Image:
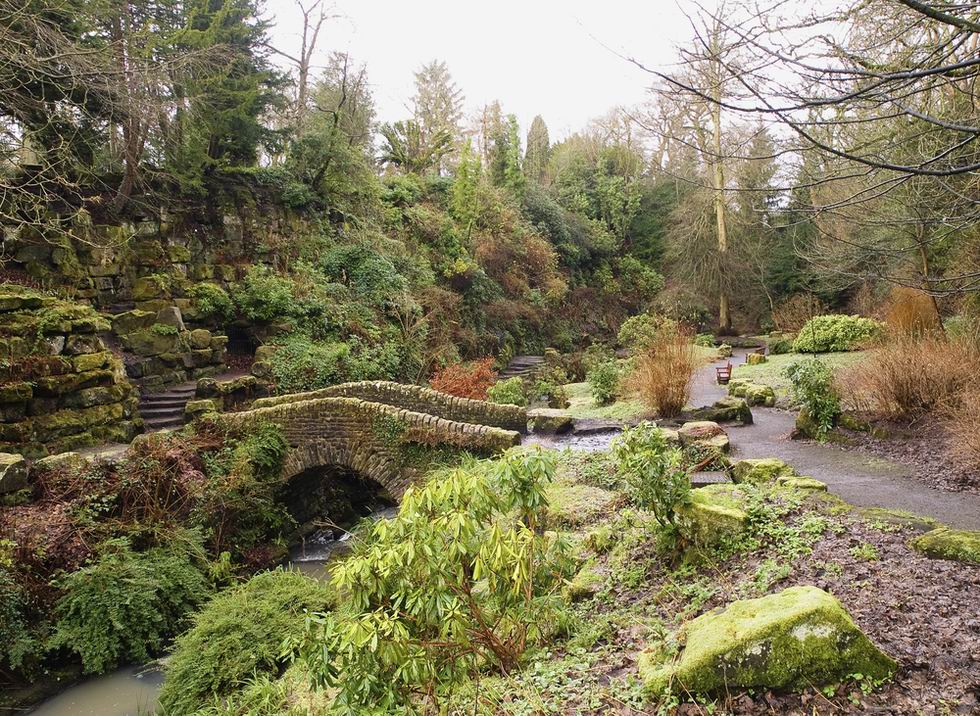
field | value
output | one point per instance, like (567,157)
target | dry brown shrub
(661,375)
(963,424)
(465,380)
(907,377)
(911,312)
(793,313)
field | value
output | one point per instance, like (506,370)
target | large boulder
(132,321)
(755,359)
(729,409)
(549,421)
(704,434)
(13,473)
(799,637)
(944,543)
(713,514)
(760,471)
(171,316)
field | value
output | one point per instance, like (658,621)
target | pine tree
(438,102)
(538,150)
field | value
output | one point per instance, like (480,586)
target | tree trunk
(724,317)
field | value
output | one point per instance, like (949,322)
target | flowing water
(133,691)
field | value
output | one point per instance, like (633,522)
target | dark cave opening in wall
(241,347)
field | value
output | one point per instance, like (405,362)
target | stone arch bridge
(384,431)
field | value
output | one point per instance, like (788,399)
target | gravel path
(859,478)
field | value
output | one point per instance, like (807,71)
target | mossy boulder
(797,638)
(704,434)
(584,585)
(760,471)
(149,288)
(549,421)
(713,514)
(944,543)
(571,506)
(755,359)
(132,321)
(151,342)
(196,408)
(730,409)
(797,482)
(13,473)
(200,338)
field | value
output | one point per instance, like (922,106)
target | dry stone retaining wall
(60,387)
(417,399)
(378,441)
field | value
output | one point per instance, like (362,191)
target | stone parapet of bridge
(383,442)
(418,399)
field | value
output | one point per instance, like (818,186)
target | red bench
(724,374)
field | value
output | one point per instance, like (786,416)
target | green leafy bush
(705,340)
(459,583)
(212,302)
(19,645)
(239,635)
(302,364)
(653,471)
(123,607)
(813,388)
(603,380)
(638,332)
(825,334)
(780,346)
(265,296)
(508,392)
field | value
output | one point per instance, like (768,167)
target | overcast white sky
(554,58)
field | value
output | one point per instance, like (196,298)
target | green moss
(712,515)
(799,637)
(585,584)
(795,482)
(576,505)
(760,471)
(944,543)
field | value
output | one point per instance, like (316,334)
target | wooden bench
(724,374)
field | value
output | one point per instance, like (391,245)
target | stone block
(148,288)
(132,321)
(200,338)
(170,316)
(82,344)
(91,361)
(13,473)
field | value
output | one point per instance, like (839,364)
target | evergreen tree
(438,102)
(513,175)
(538,150)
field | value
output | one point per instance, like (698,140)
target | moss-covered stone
(132,321)
(91,361)
(799,637)
(15,392)
(196,408)
(796,482)
(549,421)
(760,471)
(149,288)
(584,585)
(755,359)
(576,505)
(83,344)
(944,543)
(13,473)
(149,342)
(712,515)
(704,434)
(730,409)
(200,338)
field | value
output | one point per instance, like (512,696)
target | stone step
(154,412)
(703,479)
(164,403)
(169,395)
(153,424)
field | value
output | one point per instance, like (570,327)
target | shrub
(963,423)
(265,296)
(212,302)
(813,388)
(466,380)
(302,364)
(704,340)
(779,346)
(824,334)
(124,606)
(662,372)
(794,313)
(239,635)
(907,377)
(460,582)
(549,387)
(912,313)
(641,330)
(508,392)
(603,381)
(19,645)
(652,471)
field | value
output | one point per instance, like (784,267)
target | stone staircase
(521,366)
(165,410)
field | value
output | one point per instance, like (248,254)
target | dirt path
(857,477)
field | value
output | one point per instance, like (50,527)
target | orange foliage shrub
(793,313)
(465,380)
(908,377)
(911,312)
(963,423)
(662,372)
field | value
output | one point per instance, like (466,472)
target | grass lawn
(581,405)
(771,372)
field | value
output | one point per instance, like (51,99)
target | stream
(133,690)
